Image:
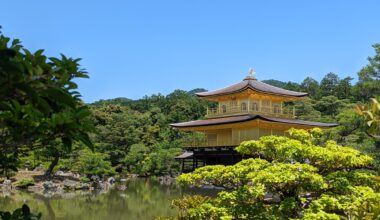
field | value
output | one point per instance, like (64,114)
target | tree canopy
(40,106)
(298,177)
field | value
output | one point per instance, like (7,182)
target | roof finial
(251,72)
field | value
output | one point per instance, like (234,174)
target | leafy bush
(90,163)
(293,177)
(22,213)
(145,161)
(84,179)
(24,183)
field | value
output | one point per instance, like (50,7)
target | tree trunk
(52,165)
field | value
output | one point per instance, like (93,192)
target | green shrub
(90,163)
(84,179)
(24,183)
(22,213)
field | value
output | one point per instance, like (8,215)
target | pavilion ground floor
(198,157)
(213,141)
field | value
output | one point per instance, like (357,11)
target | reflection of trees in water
(50,211)
(143,199)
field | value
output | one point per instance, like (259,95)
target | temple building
(244,111)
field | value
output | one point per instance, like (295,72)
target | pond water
(143,199)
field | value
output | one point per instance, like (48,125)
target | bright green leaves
(297,177)
(371,114)
(359,203)
(299,148)
(288,178)
(343,181)
(226,176)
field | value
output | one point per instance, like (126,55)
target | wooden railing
(210,143)
(279,112)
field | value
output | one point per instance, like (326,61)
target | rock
(69,184)
(7,185)
(83,186)
(123,180)
(35,189)
(166,180)
(121,187)
(106,186)
(111,180)
(272,197)
(75,175)
(59,173)
(49,186)
(95,178)
(39,168)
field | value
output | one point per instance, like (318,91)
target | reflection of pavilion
(245,111)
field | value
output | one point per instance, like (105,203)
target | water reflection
(143,199)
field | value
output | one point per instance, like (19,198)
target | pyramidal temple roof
(252,83)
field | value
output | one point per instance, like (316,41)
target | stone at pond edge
(35,189)
(69,184)
(50,186)
(39,168)
(111,180)
(59,173)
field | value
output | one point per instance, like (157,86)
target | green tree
(331,105)
(372,70)
(311,86)
(39,101)
(369,78)
(344,90)
(297,177)
(329,84)
(91,163)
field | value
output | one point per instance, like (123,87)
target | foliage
(24,183)
(39,101)
(136,133)
(329,85)
(91,163)
(300,176)
(22,213)
(372,116)
(8,163)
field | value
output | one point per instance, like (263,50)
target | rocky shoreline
(62,183)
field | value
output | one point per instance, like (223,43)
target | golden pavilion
(244,111)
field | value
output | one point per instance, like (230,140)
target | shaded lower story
(198,157)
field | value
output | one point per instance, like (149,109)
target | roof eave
(200,95)
(255,117)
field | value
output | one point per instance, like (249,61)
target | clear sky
(137,48)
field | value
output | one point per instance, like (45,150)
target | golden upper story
(251,96)
(245,111)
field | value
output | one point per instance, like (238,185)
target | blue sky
(137,48)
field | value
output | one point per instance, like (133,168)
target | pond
(143,199)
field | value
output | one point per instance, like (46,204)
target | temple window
(255,106)
(224,108)
(276,109)
(244,106)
